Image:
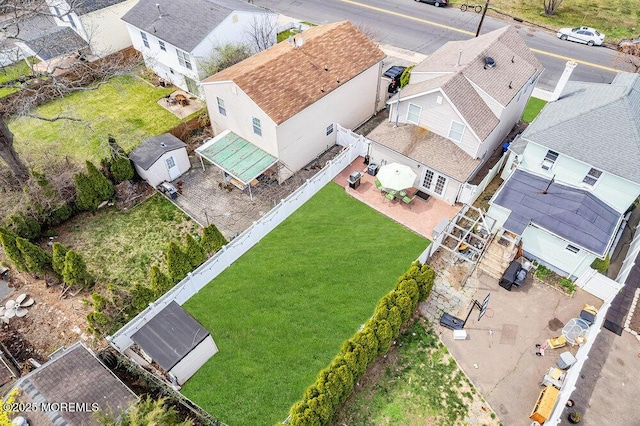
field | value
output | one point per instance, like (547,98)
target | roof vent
(162,144)
(489,62)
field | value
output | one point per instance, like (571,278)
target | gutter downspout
(375,102)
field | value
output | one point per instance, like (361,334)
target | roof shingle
(283,80)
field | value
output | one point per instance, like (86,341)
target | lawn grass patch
(12,72)
(419,383)
(120,246)
(616,18)
(533,108)
(280,313)
(126,108)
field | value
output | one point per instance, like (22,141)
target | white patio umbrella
(396,176)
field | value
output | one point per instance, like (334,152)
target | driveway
(499,353)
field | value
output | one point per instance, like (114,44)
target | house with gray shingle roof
(98,22)
(284,103)
(178,38)
(576,175)
(460,104)
(70,388)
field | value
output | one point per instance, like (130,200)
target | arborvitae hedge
(8,240)
(101,185)
(335,383)
(24,226)
(57,258)
(212,239)
(75,271)
(35,259)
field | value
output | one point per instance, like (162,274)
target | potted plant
(574,417)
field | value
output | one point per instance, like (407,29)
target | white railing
(470,193)
(630,259)
(196,280)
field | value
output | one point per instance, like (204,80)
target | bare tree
(41,85)
(550,6)
(262,33)
(223,57)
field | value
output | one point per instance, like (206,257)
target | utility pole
(484,12)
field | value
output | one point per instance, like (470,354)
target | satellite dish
(298,41)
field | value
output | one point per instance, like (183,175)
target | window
(57,12)
(592,177)
(549,160)
(329,129)
(72,22)
(221,109)
(413,114)
(257,126)
(572,249)
(456,131)
(162,46)
(428,179)
(440,185)
(183,59)
(145,41)
(170,162)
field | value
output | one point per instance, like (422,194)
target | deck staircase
(500,252)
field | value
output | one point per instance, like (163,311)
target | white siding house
(160,158)
(178,38)
(460,104)
(98,22)
(287,100)
(568,150)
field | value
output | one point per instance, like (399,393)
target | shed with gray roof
(573,214)
(175,341)
(596,123)
(160,158)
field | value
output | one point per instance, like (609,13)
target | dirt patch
(51,321)
(555,324)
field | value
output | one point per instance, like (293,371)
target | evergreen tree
(159,282)
(24,225)
(58,256)
(177,262)
(35,259)
(212,239)
(120,166)
(86,197)
(75,271)
(194,251)
(8,240)
(102,187)
(146,411)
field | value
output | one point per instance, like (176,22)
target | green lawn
(125,108)
(280,313)
(120,246)
(13,71)
(533,108)
(616,18)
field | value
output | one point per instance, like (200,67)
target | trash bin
(169,190)
(354,180)
(372,169)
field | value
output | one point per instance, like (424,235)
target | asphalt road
(424,28)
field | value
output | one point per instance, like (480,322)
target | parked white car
(586,35)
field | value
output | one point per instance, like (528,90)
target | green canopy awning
(236,156)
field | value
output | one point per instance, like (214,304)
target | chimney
(459,58)
(563,80)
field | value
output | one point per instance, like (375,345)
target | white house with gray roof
(177,38)
(576,174)
(98,22)
(460,104)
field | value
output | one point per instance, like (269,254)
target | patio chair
(389,196)
(379,185)
(407,200)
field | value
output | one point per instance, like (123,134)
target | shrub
(59,214)
(601,265)
(212,239)
(568,284)
(58,255)
(142,296)
(158,281)
(8,240)
(384,334)
(75,271)
(86,197)
(119,165)
(102,187)
(24,225)
(194,252)
(542,273)
(178,263)
(35,259)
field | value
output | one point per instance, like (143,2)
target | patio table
(575,328)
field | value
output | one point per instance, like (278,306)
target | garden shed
(175,341)
(161,158)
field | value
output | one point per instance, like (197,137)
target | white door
(434,182)
(172,168)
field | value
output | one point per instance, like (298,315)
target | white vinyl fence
(206,272)
(470,193)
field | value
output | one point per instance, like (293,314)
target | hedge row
(335,383)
